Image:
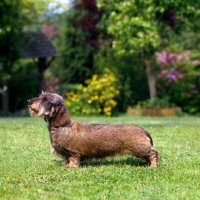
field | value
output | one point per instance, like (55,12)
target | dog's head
(49,105)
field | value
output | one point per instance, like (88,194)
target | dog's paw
(70,165)
(64,163)
(53,151)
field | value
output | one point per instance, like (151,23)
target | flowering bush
(169,63)
(178,78)
(99,97)
(175,66)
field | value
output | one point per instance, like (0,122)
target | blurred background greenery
(113,54)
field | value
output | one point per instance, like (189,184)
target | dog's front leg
(73,162)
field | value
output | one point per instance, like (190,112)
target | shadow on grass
(117,162)
(131,161)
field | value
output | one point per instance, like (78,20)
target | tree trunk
(151,79)
(42,62)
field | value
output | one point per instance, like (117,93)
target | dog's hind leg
(73,162)
(153,158)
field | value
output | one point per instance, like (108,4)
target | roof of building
(36,45)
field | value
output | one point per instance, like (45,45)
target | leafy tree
(143,27)
(15,16)
(79,42)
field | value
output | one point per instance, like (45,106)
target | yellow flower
(89,101)
(73,110)
(108,114)
(112,95)
(113,103)
(117,91)
(77,107)
(83,110)
(94,77)
(80,87)
(100,91)
(67,103)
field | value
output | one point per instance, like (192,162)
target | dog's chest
(58,137)
(52,132)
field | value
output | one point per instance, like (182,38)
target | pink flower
(196,62)
(167,59)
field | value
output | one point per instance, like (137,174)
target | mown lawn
(29,171)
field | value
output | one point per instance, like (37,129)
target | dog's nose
(29,101)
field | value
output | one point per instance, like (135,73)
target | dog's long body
(75,141)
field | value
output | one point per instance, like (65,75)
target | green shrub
(130,74)
(98,97)
(156,103)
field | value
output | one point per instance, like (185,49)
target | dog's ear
(54,99)
(61,116)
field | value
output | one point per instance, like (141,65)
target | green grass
(29,171)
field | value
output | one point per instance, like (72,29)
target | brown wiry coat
(75,141)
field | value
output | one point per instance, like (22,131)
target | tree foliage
(15,16)
(139,24)
(124,36)
(143,27)
(80,41)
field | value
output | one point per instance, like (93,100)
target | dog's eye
(44,99)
